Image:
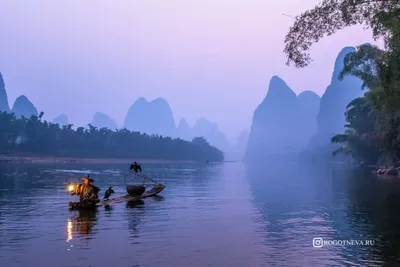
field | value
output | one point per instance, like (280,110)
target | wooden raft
(152,192)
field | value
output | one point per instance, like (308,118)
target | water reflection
(108,210)
(131,204)
(373,211)
(295,204)
(301,203)
(81,225)
(158,198)
(134,214)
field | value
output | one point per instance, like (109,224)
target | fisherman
(136,167)
(88,193)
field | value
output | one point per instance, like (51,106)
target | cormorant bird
(108,192)
(136,167)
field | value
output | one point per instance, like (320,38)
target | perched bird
(136,167)
(108,192)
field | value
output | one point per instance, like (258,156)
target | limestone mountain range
(150,117)
(286,123)
(282,123)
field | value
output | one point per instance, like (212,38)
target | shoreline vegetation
(13,159)
(24,140)
(372,134)
(20,159)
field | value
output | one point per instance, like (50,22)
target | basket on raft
(139,189)
(135,190)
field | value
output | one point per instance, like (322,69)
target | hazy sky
(211,59)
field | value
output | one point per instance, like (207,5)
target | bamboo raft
(154,191)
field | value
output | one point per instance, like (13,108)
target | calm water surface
(208,215)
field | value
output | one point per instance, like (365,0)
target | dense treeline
(373,121)
(43,138)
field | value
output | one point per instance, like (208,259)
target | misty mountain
(151,117)
(4,106)
(156,117)
(242,141)
(184,131)
(238,148)
(206,129)
(309,104)
(283,122)
(23,107)
(331,118)
(101,120)
(211,133)
(61,120)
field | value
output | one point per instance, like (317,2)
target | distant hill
(238,149)
(206,129)
(282,123)
(23,107)
(156,117)
(331,118)
(331,114)
(61,120)
(184,131)
(308,108)
(101,120)
(151,117)
(211,133)
(3,96)
(242,140)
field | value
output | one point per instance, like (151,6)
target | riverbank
(61,160)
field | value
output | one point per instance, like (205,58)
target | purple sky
(211,59)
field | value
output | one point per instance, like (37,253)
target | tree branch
(326,19)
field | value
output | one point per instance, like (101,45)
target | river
(226,214)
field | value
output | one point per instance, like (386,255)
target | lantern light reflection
(69,230)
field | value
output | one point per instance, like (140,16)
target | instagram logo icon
(317,242)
